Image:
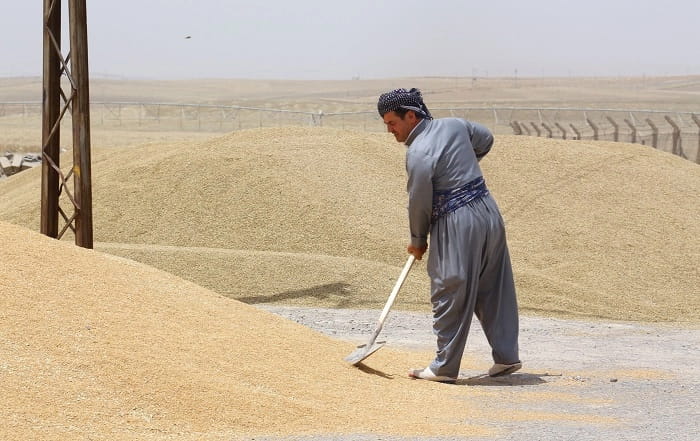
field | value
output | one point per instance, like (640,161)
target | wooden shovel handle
(397,287)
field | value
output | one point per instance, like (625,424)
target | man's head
(402,110)
(400,123)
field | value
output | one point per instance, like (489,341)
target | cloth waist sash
(447,201)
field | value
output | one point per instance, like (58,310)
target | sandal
(498,369)
(427,374)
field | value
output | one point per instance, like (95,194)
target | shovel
(372,346)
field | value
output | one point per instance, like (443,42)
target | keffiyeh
(403,99)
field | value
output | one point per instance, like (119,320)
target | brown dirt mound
(596,229)
(100,347)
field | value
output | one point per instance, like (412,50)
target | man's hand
(417,252)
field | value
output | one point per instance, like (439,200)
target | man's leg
(496,304)
(454,266)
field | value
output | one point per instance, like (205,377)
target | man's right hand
(417,252)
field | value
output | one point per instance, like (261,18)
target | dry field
(113,126)
(152,335)
(661,93)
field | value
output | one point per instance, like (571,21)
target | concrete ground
(643,377)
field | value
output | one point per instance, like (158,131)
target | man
(449,204)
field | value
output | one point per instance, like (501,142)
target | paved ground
(645,376)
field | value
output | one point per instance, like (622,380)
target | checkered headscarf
(403,99)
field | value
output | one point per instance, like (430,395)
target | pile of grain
(596,229)
(94,346)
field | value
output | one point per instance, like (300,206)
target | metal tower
(55,104)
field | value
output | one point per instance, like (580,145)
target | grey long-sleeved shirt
(442,154)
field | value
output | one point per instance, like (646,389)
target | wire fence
(672,131)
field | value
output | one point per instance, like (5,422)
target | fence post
(594,127)
(676,149)
(562,129)
(697,154)
(654,133)
(549,131)
(537,129)
(525,128)
(616,133)
(578,134)
(633,129)
(516,128)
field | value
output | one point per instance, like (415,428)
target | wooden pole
(50,127)
(81,123)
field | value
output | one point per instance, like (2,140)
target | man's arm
(481,138)
(420,170)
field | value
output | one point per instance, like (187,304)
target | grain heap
(100,347)
(596,229)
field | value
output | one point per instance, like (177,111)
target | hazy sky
(327,39)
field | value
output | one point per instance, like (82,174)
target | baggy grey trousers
(471,274)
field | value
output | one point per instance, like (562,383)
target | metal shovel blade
(363,351)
